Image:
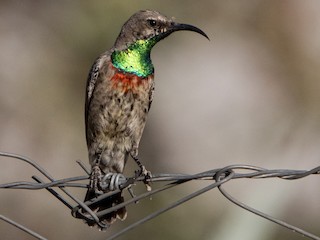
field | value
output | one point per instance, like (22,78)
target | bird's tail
(108,202)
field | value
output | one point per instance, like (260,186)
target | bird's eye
(152,22)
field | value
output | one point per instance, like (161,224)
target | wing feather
(91,83)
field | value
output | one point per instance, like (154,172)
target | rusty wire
(217,176)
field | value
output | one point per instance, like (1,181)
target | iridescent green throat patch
(136,58)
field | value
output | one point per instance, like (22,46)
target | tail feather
(109,202)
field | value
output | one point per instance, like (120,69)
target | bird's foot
(95,180)
(146,174)
(142,171)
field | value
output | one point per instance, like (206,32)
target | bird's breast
(128,82)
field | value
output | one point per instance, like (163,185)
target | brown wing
(151,93)
(91,83)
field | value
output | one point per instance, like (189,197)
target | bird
(119,93)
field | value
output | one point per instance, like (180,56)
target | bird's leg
(95,180)
(142,171)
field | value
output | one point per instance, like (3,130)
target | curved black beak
(181,26)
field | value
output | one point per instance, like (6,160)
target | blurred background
(250,96)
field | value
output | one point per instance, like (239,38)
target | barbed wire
(80,209)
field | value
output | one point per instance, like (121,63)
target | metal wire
(23,228)
(119,183)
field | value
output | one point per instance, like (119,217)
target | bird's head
(147,25)
(131,52)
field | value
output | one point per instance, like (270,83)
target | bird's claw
(147,176)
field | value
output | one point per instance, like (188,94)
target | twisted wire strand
(119,182)
(298,174)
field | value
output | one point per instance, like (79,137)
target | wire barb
(118,182)
(113,181)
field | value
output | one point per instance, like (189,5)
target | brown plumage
(115,119)
(119,91)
